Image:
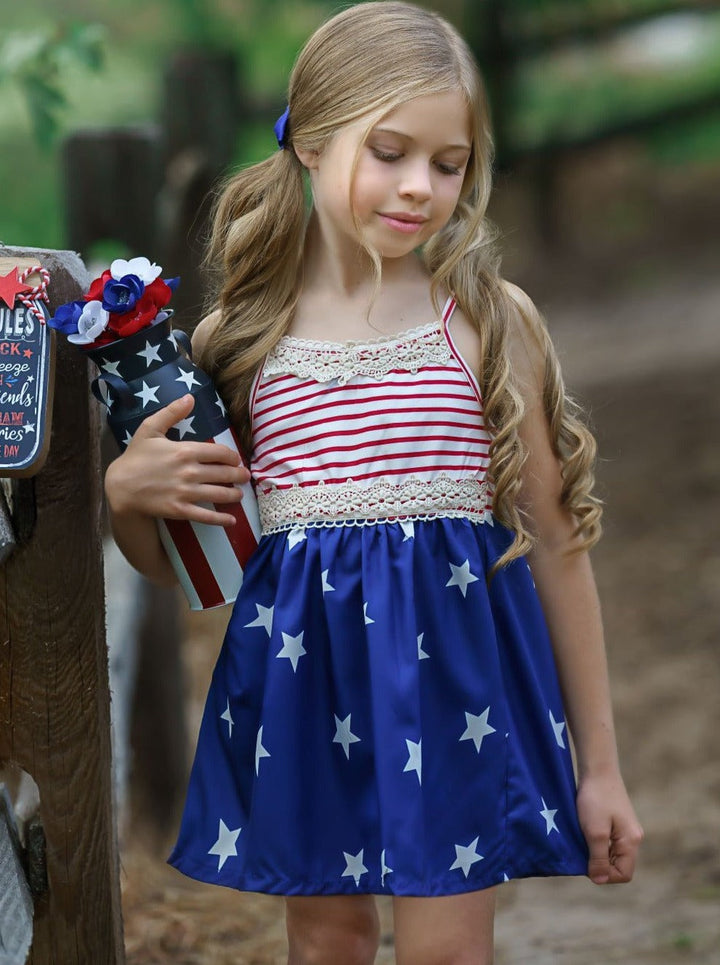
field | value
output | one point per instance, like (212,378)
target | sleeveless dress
(381,719)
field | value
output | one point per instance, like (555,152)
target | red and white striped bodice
(367,431)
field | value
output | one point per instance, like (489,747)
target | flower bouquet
(123,325)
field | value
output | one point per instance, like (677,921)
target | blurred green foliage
(567,90)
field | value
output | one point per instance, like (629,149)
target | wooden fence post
(54,697)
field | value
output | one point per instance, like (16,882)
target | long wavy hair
(363,63)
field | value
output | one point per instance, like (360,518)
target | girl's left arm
(567,591)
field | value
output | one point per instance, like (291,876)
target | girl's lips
(408,224)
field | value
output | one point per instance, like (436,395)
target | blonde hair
(363,63)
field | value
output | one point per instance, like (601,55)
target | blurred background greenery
(104,67)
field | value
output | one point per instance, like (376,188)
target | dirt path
(648,367)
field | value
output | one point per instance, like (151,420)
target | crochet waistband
(354,503)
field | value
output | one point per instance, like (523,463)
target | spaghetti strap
(447,312)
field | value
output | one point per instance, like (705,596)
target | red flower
(95,292)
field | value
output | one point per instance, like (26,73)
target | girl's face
(408,179)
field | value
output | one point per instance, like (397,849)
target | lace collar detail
(341,361)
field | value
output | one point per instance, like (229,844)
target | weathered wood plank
(54,697)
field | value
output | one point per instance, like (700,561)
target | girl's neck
(347,272)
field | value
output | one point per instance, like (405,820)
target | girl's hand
(611,829)
(157,476)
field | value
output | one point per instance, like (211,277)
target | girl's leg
(451,930)
(332,930)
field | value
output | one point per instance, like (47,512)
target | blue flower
(66,317)
(119,296)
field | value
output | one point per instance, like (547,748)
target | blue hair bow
(281,128)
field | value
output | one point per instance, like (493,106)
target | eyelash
(448,169)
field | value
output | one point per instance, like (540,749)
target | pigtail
(255,251)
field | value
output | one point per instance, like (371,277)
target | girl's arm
(567,592)
(158,477)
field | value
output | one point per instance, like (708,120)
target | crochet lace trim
(341,361)
(352,503)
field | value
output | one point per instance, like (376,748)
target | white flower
(92,322)
(141,267)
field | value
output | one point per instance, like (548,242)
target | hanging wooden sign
(26,368)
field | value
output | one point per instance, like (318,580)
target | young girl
(388,712)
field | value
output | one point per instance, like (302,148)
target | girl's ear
(307,158)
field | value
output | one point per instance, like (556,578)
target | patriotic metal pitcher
(139,375)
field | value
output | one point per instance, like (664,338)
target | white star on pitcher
(260,751)
(549,815)
(354,866)
(264,618)
(461,576)
(293,648)
(343,734)
(367,618)
(414,761)
(226,845)
(147,394)
(228,717)
(184,426)
(558,727)
(111,367)
(477,728)
(326,588)
(188,378)
(466,856)
(219,404)
(128,438)
(151,353)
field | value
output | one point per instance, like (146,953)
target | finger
(599,867)
(160,422)
(218,494)
(203,514)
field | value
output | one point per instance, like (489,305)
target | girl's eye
(448,168)
(385,155)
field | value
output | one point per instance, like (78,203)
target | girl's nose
(416,182)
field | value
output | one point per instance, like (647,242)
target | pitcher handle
(118,384)
(183,341)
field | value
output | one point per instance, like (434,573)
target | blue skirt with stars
(382,721)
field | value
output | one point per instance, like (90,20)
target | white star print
(549,816)
(184,426)
(151,353)
(384,870)
(477,728)
(147,394)
(414,762)
(260,751)
(173,341)
(421,653)
(466,856)
(367,618)
(31,378)
(505,877)
(408,527)
(30,427)
(326,588)
(296,536)
(109,401)
(188,378)
(354,866)
(558,727)
(293,649)
(128,438)
(228,717)
(226,845)
(461,576)
(264,618)
(343,734)
(111,367)
(219,404)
